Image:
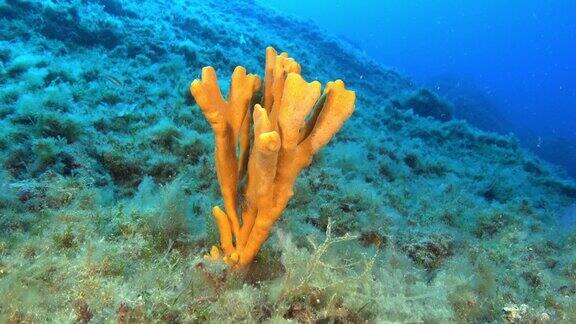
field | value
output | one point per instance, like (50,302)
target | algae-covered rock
(424,103)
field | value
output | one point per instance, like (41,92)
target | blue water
(519,56)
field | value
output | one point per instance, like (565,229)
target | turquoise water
(429,205)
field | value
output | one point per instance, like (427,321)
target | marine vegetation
(294,124)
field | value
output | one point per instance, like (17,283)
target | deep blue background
(519,54)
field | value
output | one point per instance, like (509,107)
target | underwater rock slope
(106,184)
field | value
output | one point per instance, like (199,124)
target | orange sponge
(295,121)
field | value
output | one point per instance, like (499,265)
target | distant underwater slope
(107,180)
